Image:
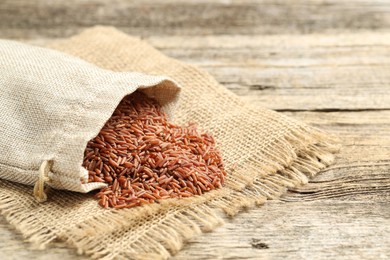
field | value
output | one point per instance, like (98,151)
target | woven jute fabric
(272,153)
(52,104)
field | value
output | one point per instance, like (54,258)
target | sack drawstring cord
(39,187)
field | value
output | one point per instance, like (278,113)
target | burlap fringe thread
(192,216)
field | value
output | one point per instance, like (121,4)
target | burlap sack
(272,151)
(51,105)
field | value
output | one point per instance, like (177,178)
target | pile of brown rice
(143,158)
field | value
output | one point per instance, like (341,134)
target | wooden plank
(56,18)
(343,212)
(338,82)
(311,230)
(294,72)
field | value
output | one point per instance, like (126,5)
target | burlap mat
(272,152)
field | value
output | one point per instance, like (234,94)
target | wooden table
(324,62)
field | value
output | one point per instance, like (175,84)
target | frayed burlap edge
(189,217)
(247,186)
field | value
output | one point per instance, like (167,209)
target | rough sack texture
(273,152)
(52,104)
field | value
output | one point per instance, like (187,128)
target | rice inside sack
(51,105)
(142,157)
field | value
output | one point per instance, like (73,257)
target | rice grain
(143,158)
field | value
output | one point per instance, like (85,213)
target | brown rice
(143,158)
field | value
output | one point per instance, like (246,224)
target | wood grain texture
(336,78)
(315,230)
(343,213)
(57,18)
(294,73)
